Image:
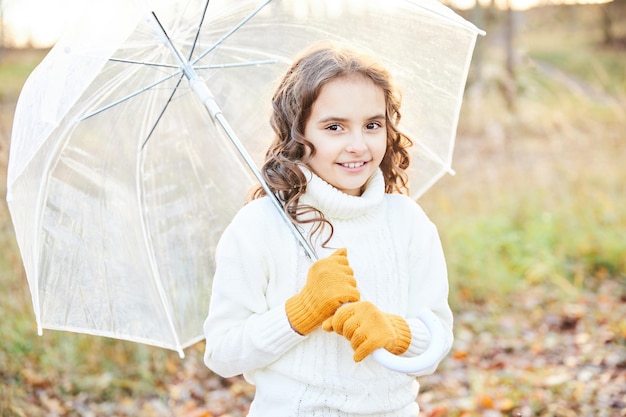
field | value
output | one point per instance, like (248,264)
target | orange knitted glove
(330,283)
(368,328)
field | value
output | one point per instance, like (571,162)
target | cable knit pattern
(399,266)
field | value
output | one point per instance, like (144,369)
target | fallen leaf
(438,412)
(33,378)
(485,401)
(460,354)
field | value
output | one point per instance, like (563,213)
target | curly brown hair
(292,103)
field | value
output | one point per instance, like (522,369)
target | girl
(300,331)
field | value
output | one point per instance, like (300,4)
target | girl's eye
(334,127)
(373,125)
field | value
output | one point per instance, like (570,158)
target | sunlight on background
(519,4)
(40,23)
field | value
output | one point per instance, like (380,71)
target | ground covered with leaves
(540,356)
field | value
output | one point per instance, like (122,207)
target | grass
(538,200)
(29,362)
(538,197)
(543,206)
(15,67)
(578,47)
(533,237)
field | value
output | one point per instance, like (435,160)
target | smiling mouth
(353,164)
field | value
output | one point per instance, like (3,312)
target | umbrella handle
(427,359)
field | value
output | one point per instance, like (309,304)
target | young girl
(302,331)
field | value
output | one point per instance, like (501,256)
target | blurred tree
(607,24)
(510,82)
(500,23)
(612,12)
(478,18)
(1,27)
(6,39)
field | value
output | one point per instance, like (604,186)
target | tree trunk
(511,78)
(607,24)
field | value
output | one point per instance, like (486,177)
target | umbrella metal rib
(206,97)
(230,32)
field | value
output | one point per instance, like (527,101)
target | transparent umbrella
(137,137)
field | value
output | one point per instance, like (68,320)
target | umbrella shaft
(257,173)
(204,94)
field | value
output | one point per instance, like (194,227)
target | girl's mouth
(353,164)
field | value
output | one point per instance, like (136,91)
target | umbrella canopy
(120,182)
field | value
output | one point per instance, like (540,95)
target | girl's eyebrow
(344,119)
(332,119)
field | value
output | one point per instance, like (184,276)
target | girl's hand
(330,283)
(368,328)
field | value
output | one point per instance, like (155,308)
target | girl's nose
(356,143)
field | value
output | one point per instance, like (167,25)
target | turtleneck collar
(336,204)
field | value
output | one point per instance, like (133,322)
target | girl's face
(347,129)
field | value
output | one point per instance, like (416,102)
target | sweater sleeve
(428,285)
(243,331)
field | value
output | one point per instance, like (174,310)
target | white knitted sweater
(399,265)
